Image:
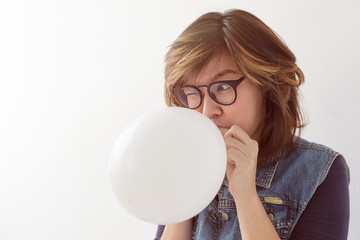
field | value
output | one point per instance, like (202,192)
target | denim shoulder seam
(316,147)
(327,166)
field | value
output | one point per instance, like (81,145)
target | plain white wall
(73,74)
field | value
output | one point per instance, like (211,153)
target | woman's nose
(209,107)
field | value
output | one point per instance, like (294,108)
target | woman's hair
(260,55)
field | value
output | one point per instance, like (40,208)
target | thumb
(223,130)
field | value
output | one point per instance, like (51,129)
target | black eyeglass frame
(231,83)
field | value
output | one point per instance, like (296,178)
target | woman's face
(247,111)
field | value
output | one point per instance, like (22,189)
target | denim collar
(265,175)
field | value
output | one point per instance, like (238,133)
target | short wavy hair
(260,55)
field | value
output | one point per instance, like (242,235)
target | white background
(73,74)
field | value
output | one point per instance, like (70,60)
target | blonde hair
(259,54)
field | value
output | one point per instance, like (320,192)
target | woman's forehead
(220,67)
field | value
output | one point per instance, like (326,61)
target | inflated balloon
(168,165)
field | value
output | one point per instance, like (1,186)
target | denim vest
(285,188)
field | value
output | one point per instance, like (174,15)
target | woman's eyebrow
(222,73)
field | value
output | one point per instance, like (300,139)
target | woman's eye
(222,87)
(191,94)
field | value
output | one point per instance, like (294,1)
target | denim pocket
(281,213)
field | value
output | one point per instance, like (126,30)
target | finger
(239,159)
(235,156)
(235,161)
(223,130)
(236,132)
(231,142)
(229,168)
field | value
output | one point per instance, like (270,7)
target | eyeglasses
(222,92)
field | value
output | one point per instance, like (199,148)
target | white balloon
(168,165)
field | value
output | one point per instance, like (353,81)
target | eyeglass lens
(221,93)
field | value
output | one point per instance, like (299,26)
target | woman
(234,69)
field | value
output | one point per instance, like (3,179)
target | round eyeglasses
(222,92)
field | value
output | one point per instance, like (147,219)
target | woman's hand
(242,152)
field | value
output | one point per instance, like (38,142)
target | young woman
(234,69)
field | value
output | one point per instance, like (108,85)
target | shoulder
(311,157)
(320,216)
(305,146)
(336,158)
